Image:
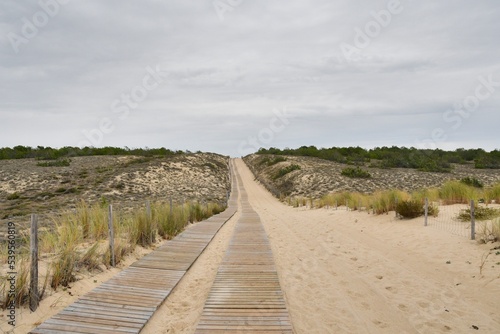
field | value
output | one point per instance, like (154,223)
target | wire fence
(448,219)
(475,221)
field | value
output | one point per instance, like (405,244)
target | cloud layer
(211,75)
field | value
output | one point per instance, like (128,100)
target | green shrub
(415,208)
(56,163)
(480,213)
(356,173)
(283,171)
(276,160)
(472,181)
(410,209)
(13,196)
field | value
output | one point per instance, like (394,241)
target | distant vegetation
(472,181)
(397,157)
(55,163)
(356,173)
(286,170)
(48,153)
(271,162)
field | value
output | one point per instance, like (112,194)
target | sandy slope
(350,272)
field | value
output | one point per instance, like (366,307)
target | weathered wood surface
(126,302)
(246,296)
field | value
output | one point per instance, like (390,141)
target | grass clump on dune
(455,192)
(492,194)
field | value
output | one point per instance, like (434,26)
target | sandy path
(350,272)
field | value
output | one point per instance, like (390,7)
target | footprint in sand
(380,324)
(423,304)
(391,289)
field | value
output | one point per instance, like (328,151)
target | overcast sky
(230,76)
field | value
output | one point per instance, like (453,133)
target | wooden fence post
(148,209)
(171,207)
(396,206)
(111,236)
(426,210)
(149,221)
(34,296)
(472,220)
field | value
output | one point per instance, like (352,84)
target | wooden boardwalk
(246,296)
(127,301)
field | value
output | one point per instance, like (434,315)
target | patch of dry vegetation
(79,240)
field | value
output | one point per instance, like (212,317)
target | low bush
(472,181)
(356,173)
(55,163)
(276,160)
(283,171)
(13,196)
(480,213)
(412,208)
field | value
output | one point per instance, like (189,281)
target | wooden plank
(246,295)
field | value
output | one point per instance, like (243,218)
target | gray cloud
(222,79)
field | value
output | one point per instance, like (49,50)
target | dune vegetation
(79,240)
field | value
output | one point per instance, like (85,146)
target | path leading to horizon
(246,295)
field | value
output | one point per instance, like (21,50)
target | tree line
(428,160)
(49,153)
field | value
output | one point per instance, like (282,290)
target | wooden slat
(127,301)
(246,295)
